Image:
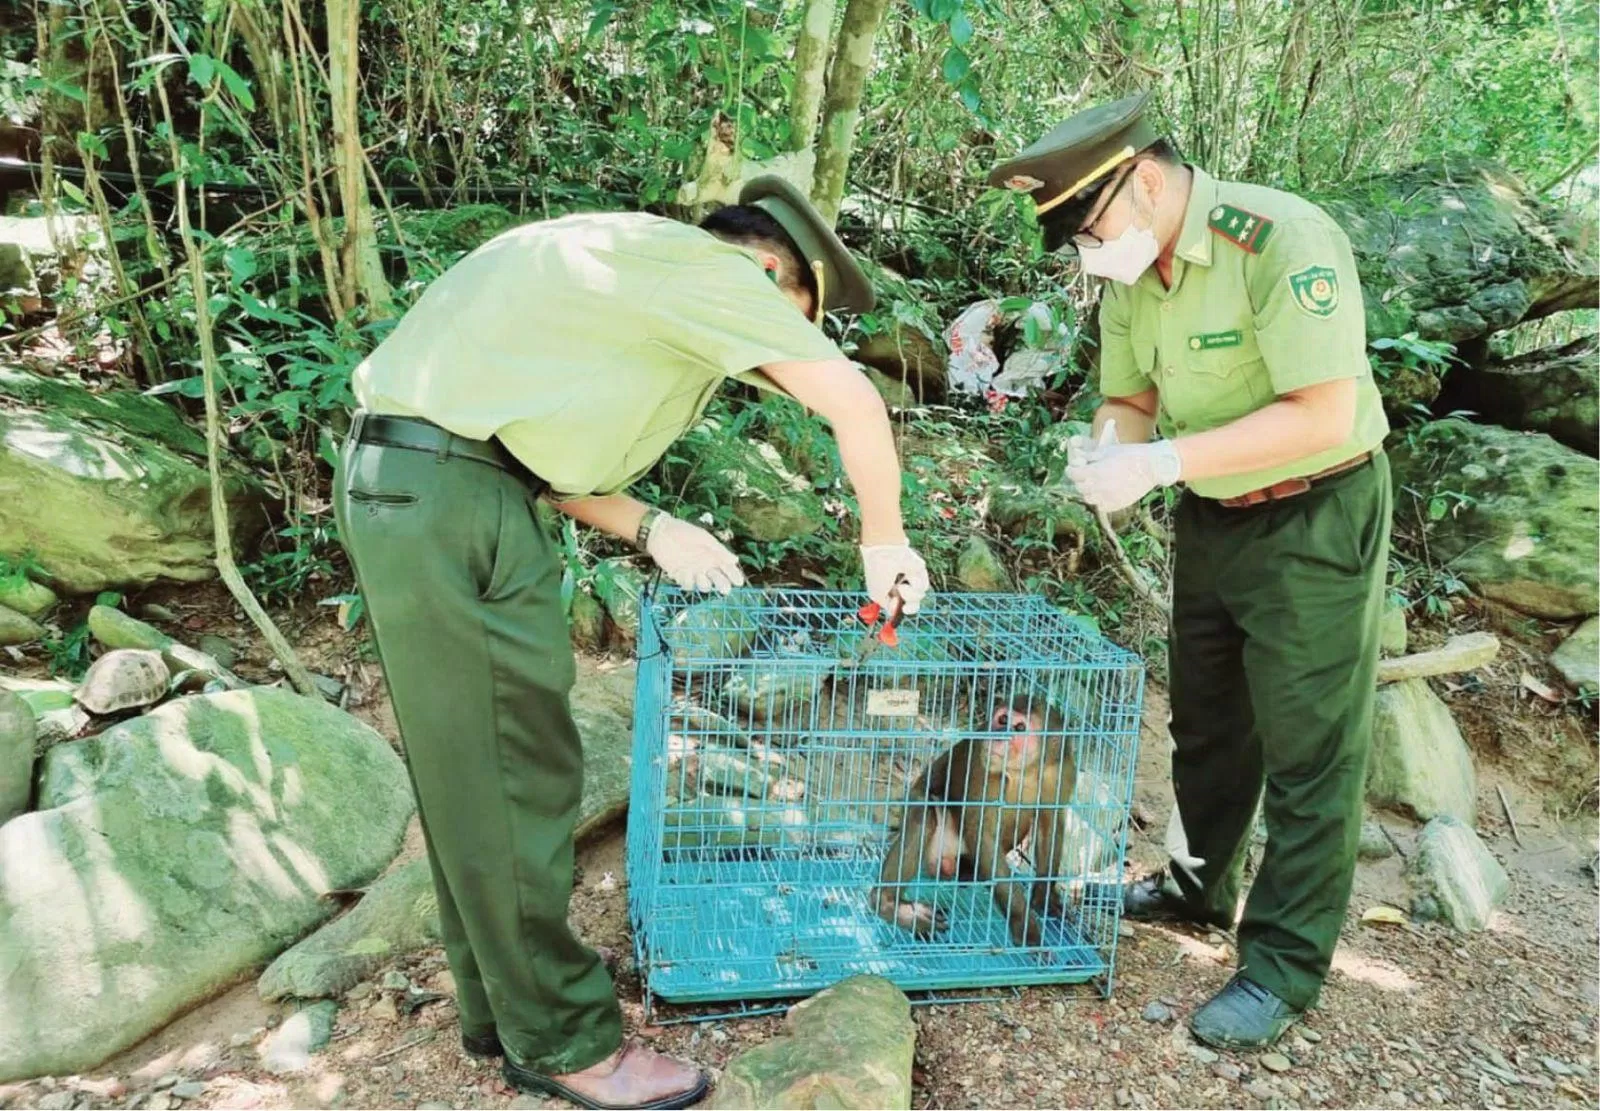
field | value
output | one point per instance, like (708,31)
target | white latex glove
(691,557)
(885,564)
(1083,450)
(1116,476)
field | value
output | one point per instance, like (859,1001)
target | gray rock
(586,621)
(904,352)
(64,1100)
(395,981)
(290,1046)
(17,736)
(110,489)
(189,1089)
(1420,764)
(56,714)
(1578,658)
(1157,1012)
(1375,844)
(1525,537)
(15,628)
(397,915)
(1554,390)
(116,630)
(979,569)
(1457,250)
(198,839)
(1203,1055)
(1452,868)
(1275,1062)
(219,649)
(1392,634)
(602,707)
(847,1047)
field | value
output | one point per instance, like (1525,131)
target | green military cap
(1076,155)
(839,278)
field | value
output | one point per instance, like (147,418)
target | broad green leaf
(956,65)
(943,10)
(960,29)
(238,86)
(202,69)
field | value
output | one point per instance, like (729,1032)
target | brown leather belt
(1289,487)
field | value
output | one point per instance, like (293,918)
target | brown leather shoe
(633,1077)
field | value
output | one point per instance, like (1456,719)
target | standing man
(1232,325)
(561,359)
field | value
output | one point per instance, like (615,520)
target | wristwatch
(1168,465)
(642,536)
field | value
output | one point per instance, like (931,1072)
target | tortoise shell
(123,679)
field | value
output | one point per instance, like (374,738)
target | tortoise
(124,679)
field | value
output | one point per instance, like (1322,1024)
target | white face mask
(1124,258)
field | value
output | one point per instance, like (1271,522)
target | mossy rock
(1526,535)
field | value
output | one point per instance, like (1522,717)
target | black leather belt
(416,434)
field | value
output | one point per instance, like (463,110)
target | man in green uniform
(1232,326)
(561,359)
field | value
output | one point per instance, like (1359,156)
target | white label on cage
(893,704)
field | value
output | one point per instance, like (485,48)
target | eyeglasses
(1086,238)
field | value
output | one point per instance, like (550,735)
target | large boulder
(979,569)
(174,852)
(849,1046)
(1420,765)
(18,629)
(30,258)
(1552,390)
(1454,877)
(602,706)
(17,737)
(109,489)
(400,913)
(766,500)
(1513,514)
(1458,250)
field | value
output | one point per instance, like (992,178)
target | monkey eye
(1019,727)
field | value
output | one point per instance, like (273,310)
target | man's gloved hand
(691,557)
(885,564)
(1118,475)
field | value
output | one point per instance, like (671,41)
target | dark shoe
(632,1078)
(486,1044)
(1158,898)
(1243,1015)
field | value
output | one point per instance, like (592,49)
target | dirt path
(1412,1015)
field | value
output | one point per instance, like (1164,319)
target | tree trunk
(810,72)
(360,267)
(841,109)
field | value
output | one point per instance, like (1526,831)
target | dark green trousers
(1273,662)
(462,588)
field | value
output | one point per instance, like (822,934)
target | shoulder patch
(1243,229)
(1315,290)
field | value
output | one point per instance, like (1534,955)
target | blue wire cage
(774,761)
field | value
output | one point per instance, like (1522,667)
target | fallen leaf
(1389,916)
(1534,687)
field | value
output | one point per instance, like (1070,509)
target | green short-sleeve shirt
(1264,300)
(586,344)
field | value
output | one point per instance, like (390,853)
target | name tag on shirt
(1210,341)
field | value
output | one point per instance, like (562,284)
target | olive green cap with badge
(840,281)
(1076,155)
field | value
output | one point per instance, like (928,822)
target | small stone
(396,981)
(189,1089)
(1124,932)
(385,1009)
(58,1101)
(161,1101)
(1058,1009)
(526,1103)
(1169,1082)
(1554,1066)
(1214,939)
(1262,1091)
(1374,844)
(246,1037)
(995,1060)
(1123,1098)
(168,1081)
(1023,1034)
(719,1035)
(1203,1055)
(1310,1035)
(1275,1062)
(155,612)
(1228,1071)
(1157,1012)
(360,991)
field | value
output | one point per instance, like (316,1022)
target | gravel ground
(1411,1016)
